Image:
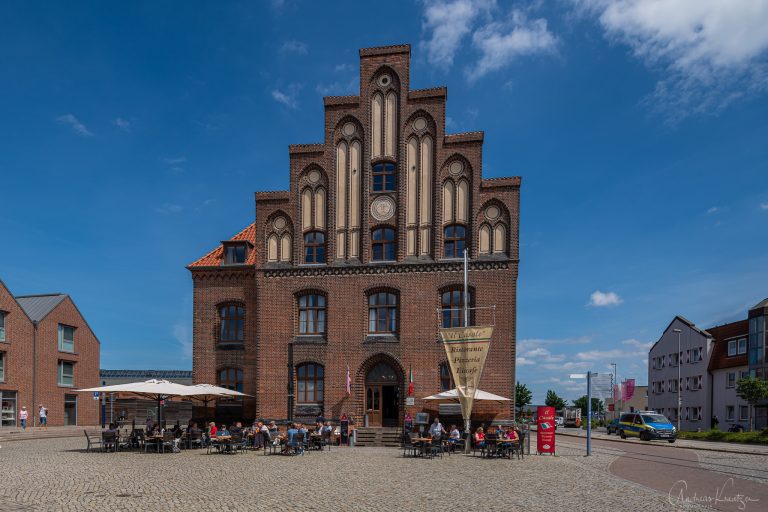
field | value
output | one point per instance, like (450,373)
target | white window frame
(732,410)
(740,351)
(62,346)
(733,348)
(61,376)
(730,383)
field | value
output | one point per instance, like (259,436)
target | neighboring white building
(695,348)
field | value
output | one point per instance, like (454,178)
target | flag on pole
(629,389)
(349,382)
(616,393)
(410,382)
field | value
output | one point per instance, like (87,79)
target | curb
(703,448)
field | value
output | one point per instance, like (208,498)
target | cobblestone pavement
(57,474)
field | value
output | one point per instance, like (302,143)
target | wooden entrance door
(373,405)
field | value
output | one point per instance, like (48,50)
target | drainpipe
(290,382)
(34,372)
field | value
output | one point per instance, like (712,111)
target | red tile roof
(216,256)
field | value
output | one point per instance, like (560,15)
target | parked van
(646,426)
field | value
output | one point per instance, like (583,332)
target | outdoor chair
(491,446)
(326,439)
(167,441)
(410,446)
(294,445)
(195,439)
(239,442)
(94,441)
(108,440)
(436,447)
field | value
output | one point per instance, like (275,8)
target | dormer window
(235,254)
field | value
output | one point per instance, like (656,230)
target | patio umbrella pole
(467,423)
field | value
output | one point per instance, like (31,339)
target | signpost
(589,407)
(344,429)
(545,430)
(408,424)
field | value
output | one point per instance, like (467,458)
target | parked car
(613,426)
(646,426)
(558,421)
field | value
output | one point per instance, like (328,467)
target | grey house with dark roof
(695,348)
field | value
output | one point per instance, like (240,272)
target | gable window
(311,314)
(446,379)
(66,338)
(235,254)
(232,317)
(383,244)
(742,346)
(231,378)
(2,325)
(383,177)
(731,380)
(66,373)
(382,313)
(732,346)
(454,241)
(314,247)
(310,383)
(452,308)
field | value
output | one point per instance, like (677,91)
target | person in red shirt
(212,430)
(479,437)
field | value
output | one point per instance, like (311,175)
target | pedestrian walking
(23,415)
(43,415)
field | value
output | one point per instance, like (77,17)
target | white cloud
(500,43)
(712,210)
(78,127)
(600,299)
(174,160)
(169,208)
(121,123)
(294,46)
(522,361)
(181,333)
(287,97)
(644,345)
(710,52)
(449,22)
(764,206)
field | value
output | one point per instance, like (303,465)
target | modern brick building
(47,350)
(357,264)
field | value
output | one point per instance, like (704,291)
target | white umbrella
(208,392)
(453,396)
(155,389)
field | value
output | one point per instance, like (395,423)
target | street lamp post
(613,392)
(679,361)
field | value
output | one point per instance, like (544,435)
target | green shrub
(760,437)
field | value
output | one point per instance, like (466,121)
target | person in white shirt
(436,429)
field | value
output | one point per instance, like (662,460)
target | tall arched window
(446,379)
(383,247)
(382,313)
(452,307)
(232,320)
(314,247)
(311,314)
(454,241)
(231,378)
(310,383)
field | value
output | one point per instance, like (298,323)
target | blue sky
(133,135)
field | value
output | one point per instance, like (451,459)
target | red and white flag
(629,389)
(349,382)
(410,382)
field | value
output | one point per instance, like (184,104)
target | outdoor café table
(495,447)
(424,443)
(157,439)
(316,441)
(224,443)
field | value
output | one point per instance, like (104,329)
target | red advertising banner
(545,436)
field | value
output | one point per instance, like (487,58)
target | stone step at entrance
(17,434)
(379,436)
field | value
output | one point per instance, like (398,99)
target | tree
(752,391)
(523,396)
(554,400)
(581,403)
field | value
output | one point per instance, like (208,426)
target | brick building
(47,350)
(355,267)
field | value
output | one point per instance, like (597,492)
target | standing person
(23,415)
(436,429)
(43,415)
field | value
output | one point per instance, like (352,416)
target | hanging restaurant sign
(467,348)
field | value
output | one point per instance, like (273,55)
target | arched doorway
(382,396)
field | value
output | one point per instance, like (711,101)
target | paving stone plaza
(57,474)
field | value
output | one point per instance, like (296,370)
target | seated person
(273,429)
(479,437)
(454,435)
(238,428)
(319,428)
(512,435)
(291,434)
(212,430)
(222,431)
(328,427)
(194,429)
(302,429)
